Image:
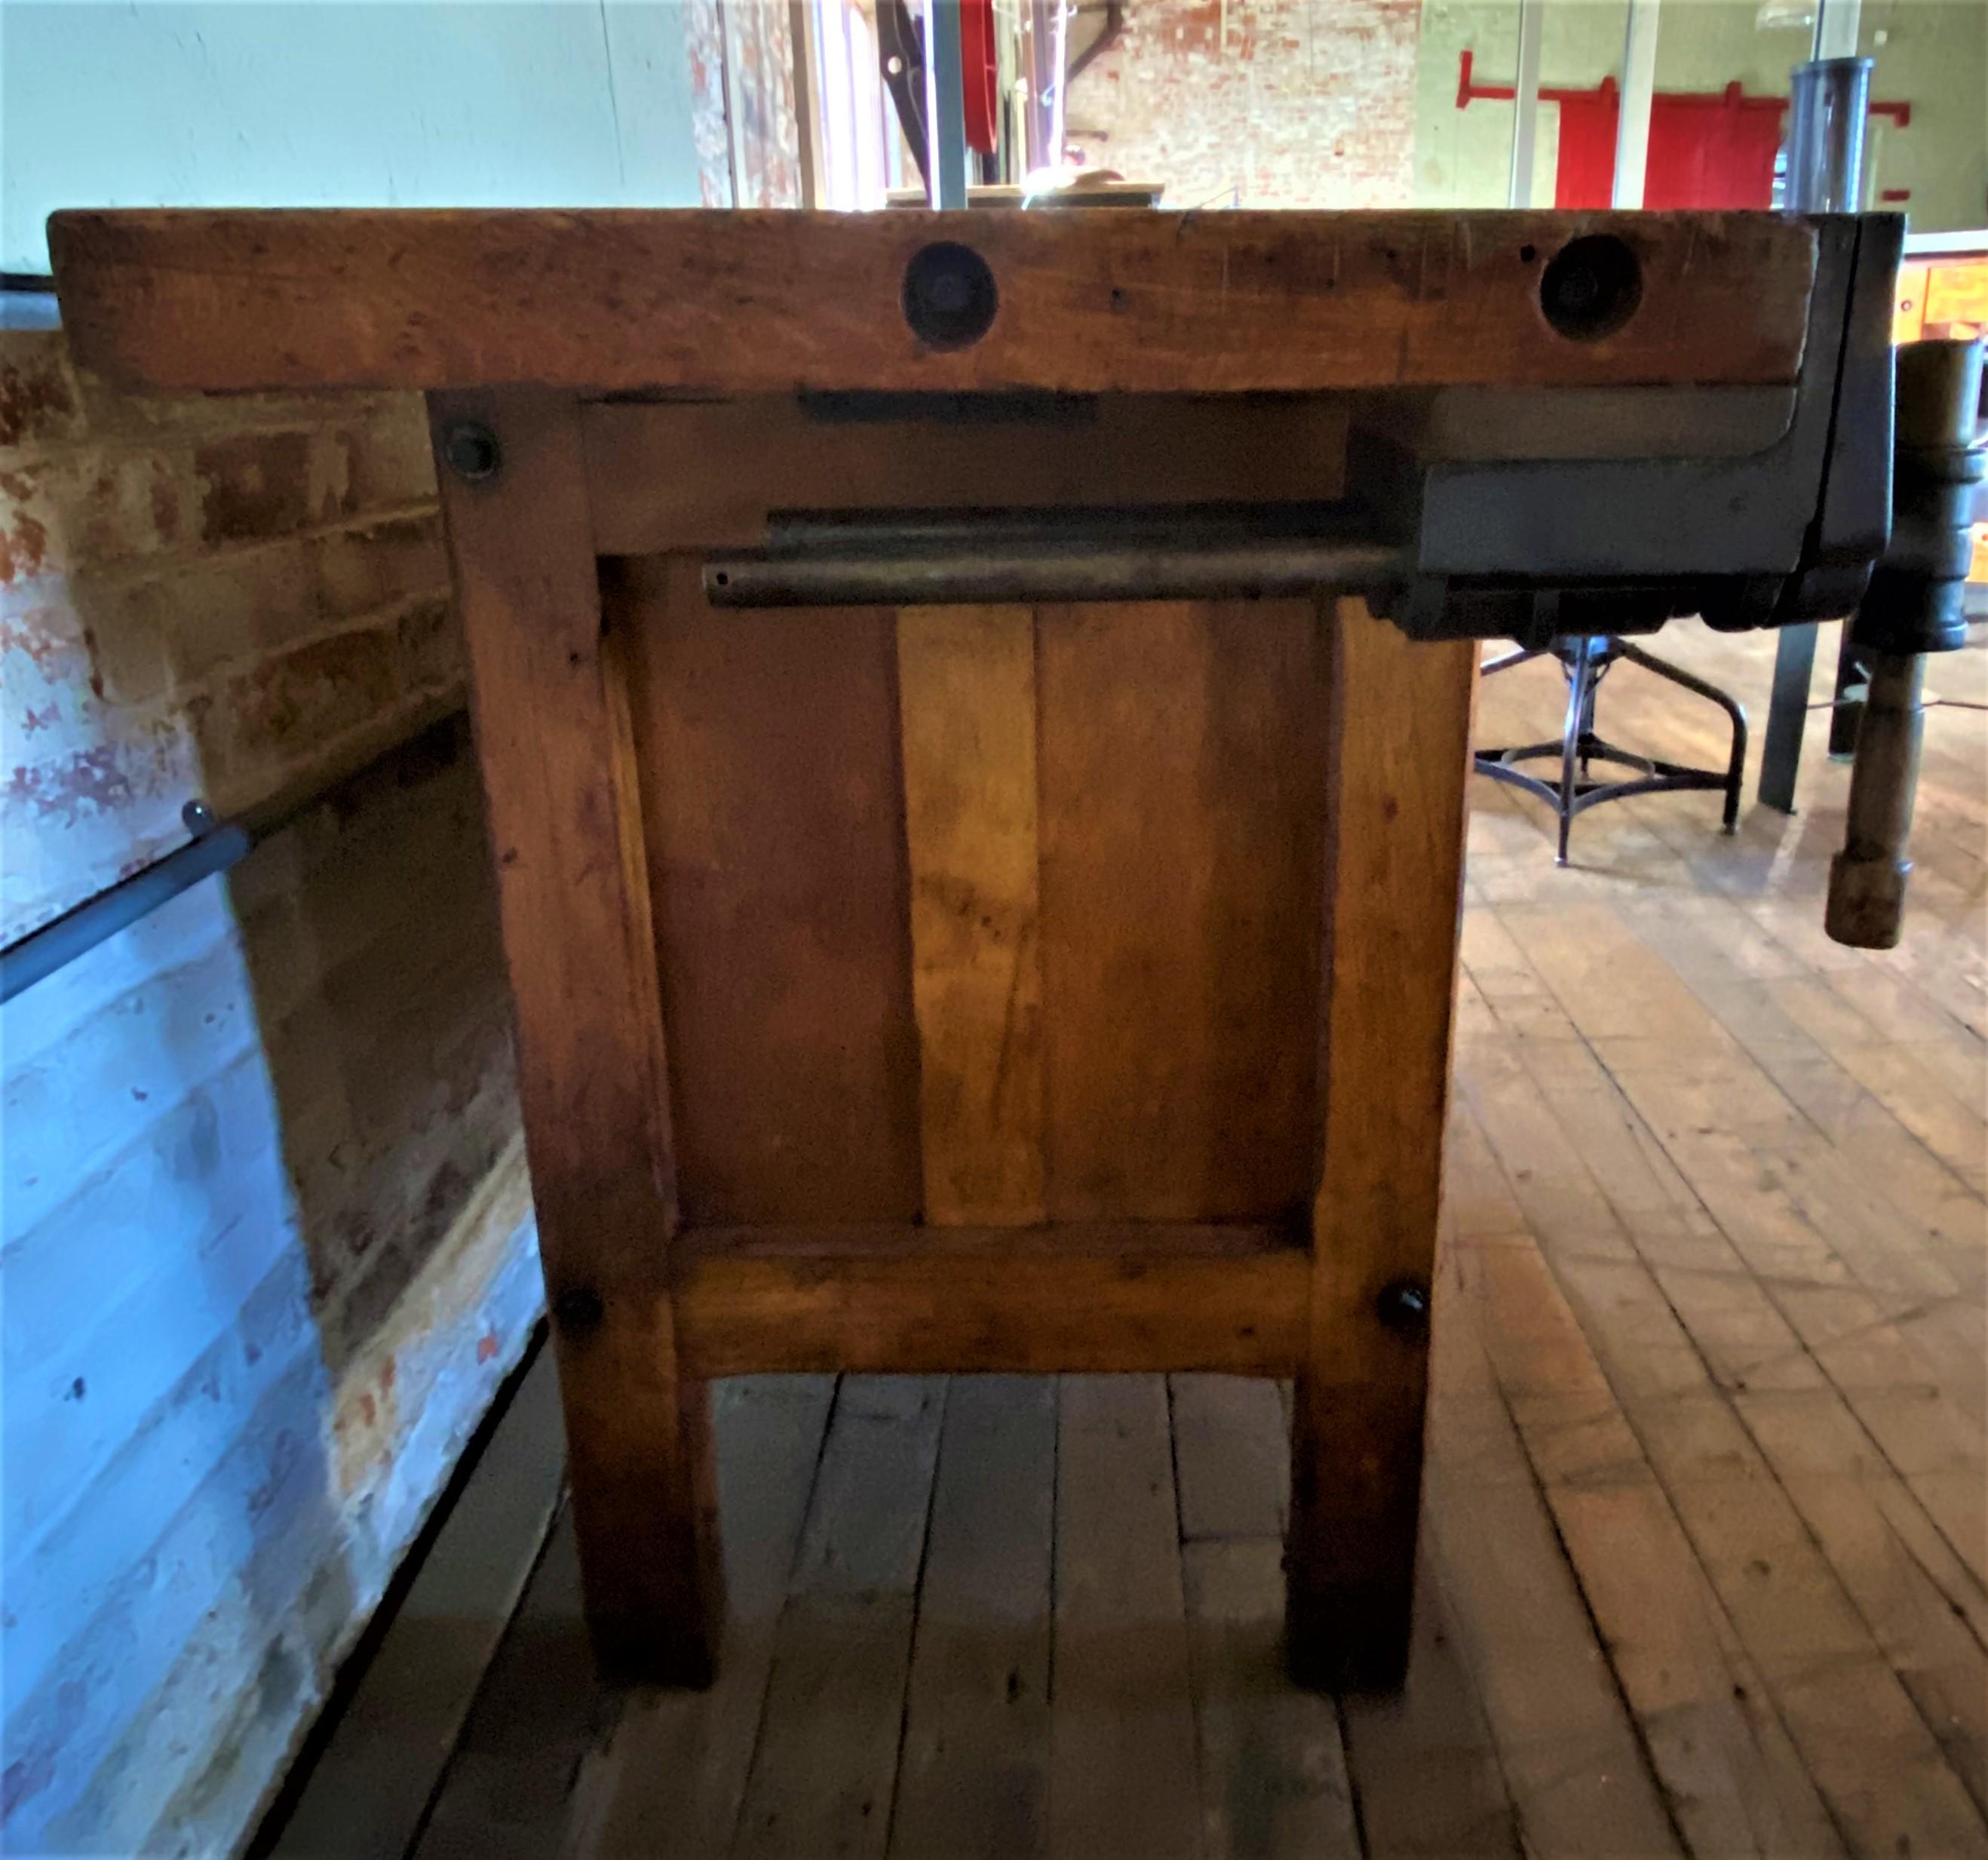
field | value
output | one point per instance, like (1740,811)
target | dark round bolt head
(1404,1307)
(471,451)
(578,1309)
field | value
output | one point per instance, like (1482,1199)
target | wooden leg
(1393,888)
(552,729)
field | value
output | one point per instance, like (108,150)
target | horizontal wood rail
(770,301)
(914,1299)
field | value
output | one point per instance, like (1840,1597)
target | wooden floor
(1706,1563)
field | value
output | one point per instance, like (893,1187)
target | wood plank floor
(1705,1543)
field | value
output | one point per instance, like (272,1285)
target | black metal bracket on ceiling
(214,846)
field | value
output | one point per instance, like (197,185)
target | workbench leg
(552,726)
(1787,715)
(1393,886)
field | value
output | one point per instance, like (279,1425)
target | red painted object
(1710,148)
(979,73)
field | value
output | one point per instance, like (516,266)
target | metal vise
(1532,513)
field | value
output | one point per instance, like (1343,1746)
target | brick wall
(266,1241)
(1255,102)
(742,119)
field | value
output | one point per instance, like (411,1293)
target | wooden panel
(1182,798)
(1393,888)
(967,680)
(775,451)
(773,808)
(918,1300)
(743,301)
(558,770)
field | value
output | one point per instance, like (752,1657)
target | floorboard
(1705,1568)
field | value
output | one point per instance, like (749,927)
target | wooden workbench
(948,989)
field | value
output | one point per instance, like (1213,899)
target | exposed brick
(1276,103)
(430,646)
(40,403)
(89,507)
(144,760)
(202,612)
(254,485)
(392,462)
(362,569)
(278,711)
(221,596)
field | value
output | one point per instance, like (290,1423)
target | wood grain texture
(1392,891)
(1122,1760)
(973,1771)
(672,1782)
(1182,800)
(769,746)
(559,778)
(967,681)
(779,451)
(1159,301)
(826,1765)
(918,1300)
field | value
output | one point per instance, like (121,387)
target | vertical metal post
(946,106)
(1828,99)
(1526,104)
(1639,90)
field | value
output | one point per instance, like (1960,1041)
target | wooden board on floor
(825,1765)
(1122,1774)
(973,1776)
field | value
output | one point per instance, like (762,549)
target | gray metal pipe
(1828,99)
(1052,569)
(40,953)
(215,846)
(1913,605)
(1866,879)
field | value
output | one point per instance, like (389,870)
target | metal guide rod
(863,558)
(1053,568)
(1914,607)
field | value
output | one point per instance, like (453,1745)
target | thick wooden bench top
(733,302)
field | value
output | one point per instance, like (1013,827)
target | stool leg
(1736,764)
(1579,692)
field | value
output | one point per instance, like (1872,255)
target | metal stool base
(1583,659)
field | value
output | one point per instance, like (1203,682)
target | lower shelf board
(917,1299)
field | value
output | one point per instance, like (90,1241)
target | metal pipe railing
(215,846)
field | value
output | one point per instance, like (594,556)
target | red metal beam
(1732,97)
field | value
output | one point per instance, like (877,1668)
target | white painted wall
(338,103)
